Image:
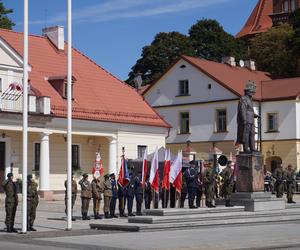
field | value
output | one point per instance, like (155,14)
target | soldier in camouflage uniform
(86,195)
(11,202)
(107,196)
(74,195)
(279,180)
(96,194)
(227,176)
(209,184)
(184,190)
(290,178)
(32,202)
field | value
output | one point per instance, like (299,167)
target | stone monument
(250,178)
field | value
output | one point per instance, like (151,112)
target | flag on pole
(176,172)
(167,166)
(123,179)
(144,170)
(98,167)
(154,172)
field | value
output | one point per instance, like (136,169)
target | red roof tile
(98,95)
(259,20)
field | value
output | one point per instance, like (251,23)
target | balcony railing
(11,99)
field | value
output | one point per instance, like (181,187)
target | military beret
(9,175)
(106,176)
(85,175)
(29,177)
(112,175)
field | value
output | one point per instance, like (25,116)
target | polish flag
(167,166)
(176,172)
(98,167)
(154,172)
(144,170)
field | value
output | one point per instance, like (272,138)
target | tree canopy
(206,39)
(5,22)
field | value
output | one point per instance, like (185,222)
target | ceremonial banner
(123,179)
(154,172)
(176,172)
(98,168)
(167,166)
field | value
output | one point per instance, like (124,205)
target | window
(272,122)
(184,87)
(184,123)
(75,157)
(37,151)
(293,5)
(286,6)
(141,150)
(221,120)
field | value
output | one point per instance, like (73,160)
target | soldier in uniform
(138,191)
(147,194)
(32,202)
(114,195)
(74,194)
(86,195)
(107,196)
(184,190)
(279,180)
(96,195)
(199,191)
(245,119)
(227,176)
(209,184)
(130,195)
(122,200)
(290,178)
(11,202)
(190,180)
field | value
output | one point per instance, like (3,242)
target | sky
(113,32)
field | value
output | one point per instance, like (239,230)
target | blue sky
(113,32)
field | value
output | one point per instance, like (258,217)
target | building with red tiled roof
(199,98)
(107,113)
(266,14)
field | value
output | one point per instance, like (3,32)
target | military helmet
(250,86)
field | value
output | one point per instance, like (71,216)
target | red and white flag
(176,172)
(154,172)
(167,166)
(144,170)
(98,167)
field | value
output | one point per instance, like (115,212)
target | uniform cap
(85,175)
(29,177)
(9,175)
(112,175)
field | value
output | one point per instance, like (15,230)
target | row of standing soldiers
(11,202)
(285,179)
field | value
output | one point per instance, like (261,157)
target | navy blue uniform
(184,190)
(130,196)
(138,191)
(114,197)
(190,176)
(147,195)
(122,200)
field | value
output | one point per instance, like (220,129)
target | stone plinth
(250,173)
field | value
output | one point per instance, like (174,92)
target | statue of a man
(245,119)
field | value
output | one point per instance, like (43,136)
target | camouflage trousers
(31,212)
(10,209)
(279,187)
(289,191)
(209,192)
(227,191)
(96,203)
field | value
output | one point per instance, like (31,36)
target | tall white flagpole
(25,119)
(69,91)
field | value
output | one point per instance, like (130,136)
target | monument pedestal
(250,185)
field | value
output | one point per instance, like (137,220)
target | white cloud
(125,9)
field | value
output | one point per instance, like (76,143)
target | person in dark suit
(114,195)
(147,194)
(130,195)
(122,200)
(190,180)
(138,191)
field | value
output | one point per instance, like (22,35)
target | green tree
(5,22)
(211,42)
(273,53)
(156,57)
(295,44)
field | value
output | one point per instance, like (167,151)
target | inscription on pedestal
(250,175)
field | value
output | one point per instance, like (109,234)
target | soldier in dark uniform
(164,197)
(130,195)
(114,195)
(279,180)
(190,180)
(209,184)
(147,194)
(74,195)
(227,176)
(107,196)
(32,202)
(172,196)
(97,197)
(138,191)
(199,190)
(245,119)
(86,195)
(184,189)
(122,200)
(11,202)
(290,179)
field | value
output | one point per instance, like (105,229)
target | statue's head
(250,88)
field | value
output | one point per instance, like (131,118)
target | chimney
(44,105)
(230,60)
(250,64)
(56,36)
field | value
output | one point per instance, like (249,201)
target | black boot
(83,216)
(227,203)
(87,217)
(106,215)
(8,229)
(32,229)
